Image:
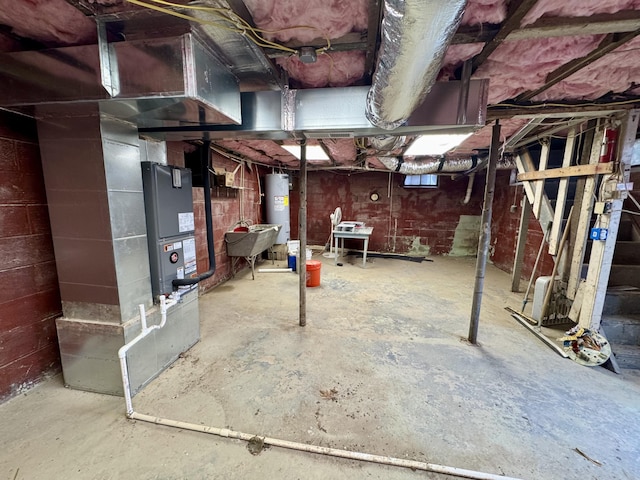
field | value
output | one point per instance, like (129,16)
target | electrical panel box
(168,200)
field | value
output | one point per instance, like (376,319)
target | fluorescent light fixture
(435,144)
(315,153)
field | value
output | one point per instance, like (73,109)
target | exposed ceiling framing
(536,53)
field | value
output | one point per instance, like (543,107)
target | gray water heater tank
(277,193)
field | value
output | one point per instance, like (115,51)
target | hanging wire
(238,24)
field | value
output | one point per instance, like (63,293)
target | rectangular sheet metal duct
(340,112)
(162,82)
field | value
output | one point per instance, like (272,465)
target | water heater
(277,201)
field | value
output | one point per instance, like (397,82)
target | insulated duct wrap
(457,165)
(386,143)
(415,37)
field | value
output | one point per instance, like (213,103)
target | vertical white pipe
(122,352)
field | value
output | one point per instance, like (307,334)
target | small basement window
(421,181)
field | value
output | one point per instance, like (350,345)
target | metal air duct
(415,37)
(442,165)
(161,82)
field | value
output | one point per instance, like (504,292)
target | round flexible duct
(415,36)
(442,165)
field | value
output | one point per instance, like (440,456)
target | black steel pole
(485,235)
(302,232)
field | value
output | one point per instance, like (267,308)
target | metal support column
(302,231)
(485,235)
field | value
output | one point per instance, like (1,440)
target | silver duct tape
(288,110)
(415,36)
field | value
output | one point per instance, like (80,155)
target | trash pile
(586,347)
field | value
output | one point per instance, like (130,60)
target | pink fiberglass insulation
(337,69)
(484,11)
(522,65)
(455,56)
(341,150)
(316,18)
(52,22)
(577,8)
(617,71)
(260,151)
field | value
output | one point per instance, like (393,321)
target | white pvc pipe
(225,432)
(122,352)
(334,452)
(467,197)
(274,270)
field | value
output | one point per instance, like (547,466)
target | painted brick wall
(226,212)
(409,219)
(504,231)
(29,295)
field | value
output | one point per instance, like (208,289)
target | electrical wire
(239,25)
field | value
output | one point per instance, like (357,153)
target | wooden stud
(561,199)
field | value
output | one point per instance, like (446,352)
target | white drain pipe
(122,352)
(303,447)
(334,452)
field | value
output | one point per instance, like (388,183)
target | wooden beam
(561,199)
(475,34)
(558,110)
(523,229)
(524,163)
(348,42)
(595,288)
(373,29)
(609,44)
(539,186)
(578,240)
(575,171)
(517,10)
(545,27)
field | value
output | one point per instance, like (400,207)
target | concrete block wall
(29,295)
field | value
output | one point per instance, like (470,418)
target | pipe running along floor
(381,367)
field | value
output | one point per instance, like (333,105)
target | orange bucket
(313,273)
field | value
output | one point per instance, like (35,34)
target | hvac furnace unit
(170,225)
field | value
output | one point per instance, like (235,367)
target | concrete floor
(381,367)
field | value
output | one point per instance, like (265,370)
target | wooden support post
(561,199)
(485,235)
(584,217)
(525,164)
(602,251)
(520,248)
(573,276)
(539,185)
(302,231)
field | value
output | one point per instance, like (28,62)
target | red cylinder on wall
(609,143)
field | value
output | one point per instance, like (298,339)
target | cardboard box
(223,178)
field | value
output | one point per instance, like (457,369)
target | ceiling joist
(517,10)
(609,44)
